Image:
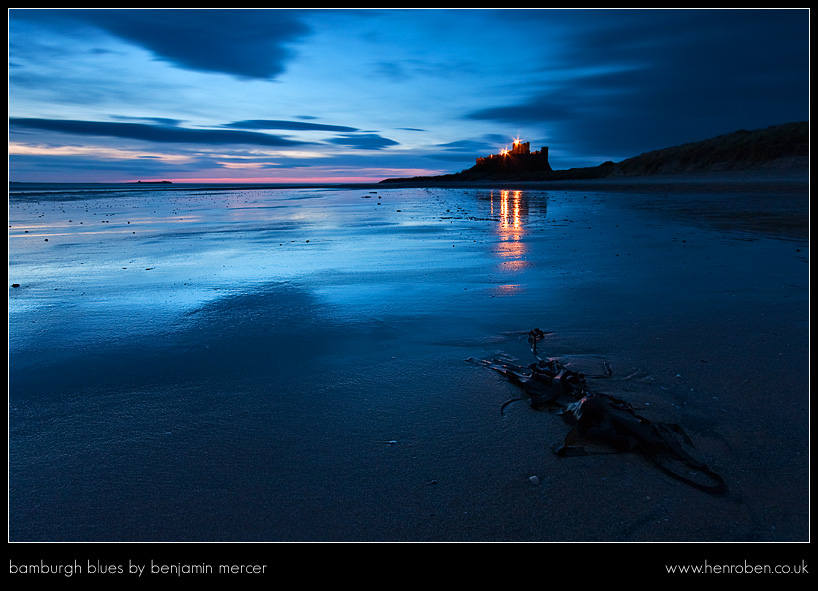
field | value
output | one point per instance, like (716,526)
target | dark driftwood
(601,418)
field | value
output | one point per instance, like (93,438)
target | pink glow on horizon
(367,176)
(374,178)
(266,180)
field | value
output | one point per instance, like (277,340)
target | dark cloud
(152,133)
(364,141)
(469,146)
(392,71)
(244,43)
(287,125)
(480,146)
(626,82)
(156,120)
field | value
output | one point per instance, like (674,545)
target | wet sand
(289,365)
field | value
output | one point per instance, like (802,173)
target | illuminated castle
(520,157)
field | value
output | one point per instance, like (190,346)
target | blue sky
(361,95)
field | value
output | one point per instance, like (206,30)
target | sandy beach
(265,365)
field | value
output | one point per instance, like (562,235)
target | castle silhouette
(519,158)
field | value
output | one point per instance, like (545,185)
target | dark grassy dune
(781,147)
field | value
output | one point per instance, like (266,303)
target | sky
(359,95)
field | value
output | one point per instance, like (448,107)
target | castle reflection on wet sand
(511,208)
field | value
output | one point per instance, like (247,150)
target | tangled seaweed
(597,417)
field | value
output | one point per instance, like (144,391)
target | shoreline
(778,180)
(774,180)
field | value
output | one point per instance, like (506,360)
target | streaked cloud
(151,133)
(287,125)
(363,141)
(102,153)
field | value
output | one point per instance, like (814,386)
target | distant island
(154,182)
(777,147)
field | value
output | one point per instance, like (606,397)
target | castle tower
(520,147)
